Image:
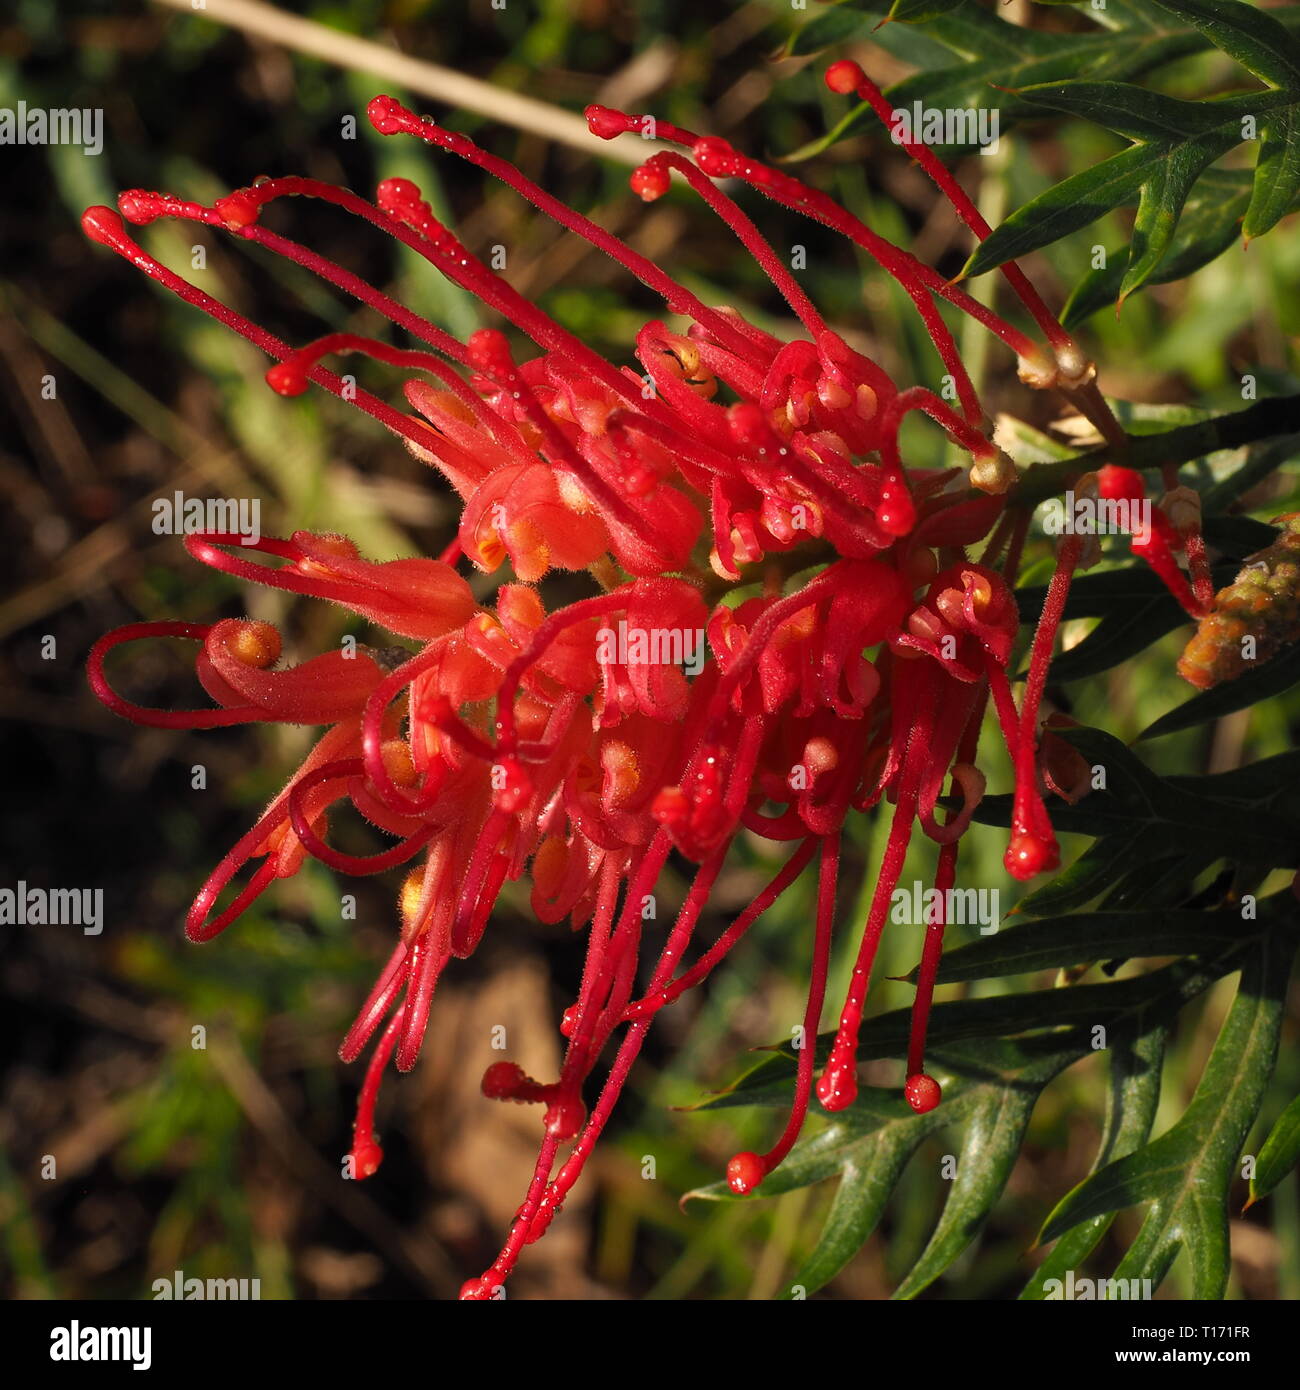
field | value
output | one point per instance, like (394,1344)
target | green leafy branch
(1188,212)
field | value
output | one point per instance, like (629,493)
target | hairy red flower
(577,747)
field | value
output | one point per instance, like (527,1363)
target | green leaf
(1140,611)
(1089,936)
(913,11)
(1087,195)
(832,25)
(990,1086)
(1067,206)
(1277,173)
(1248,814)
(995,1118)
(1134,111)
(1261,683)
(1159,209)
(1278,1155)
(1121,634)
(1208,227)
(1176,141)
(1259,461)
(963,1020)
(1255,39)
(1132,1097)
(1185,1175)
(1105,862)
(992,57)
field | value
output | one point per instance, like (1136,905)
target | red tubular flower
(577,747)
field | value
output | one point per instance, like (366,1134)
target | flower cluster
(744,488)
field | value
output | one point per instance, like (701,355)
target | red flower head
(576,748)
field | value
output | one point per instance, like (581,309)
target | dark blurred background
(224,1161)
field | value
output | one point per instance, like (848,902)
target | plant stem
(1275,416)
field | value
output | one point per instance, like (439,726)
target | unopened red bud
(384,113)
(1118,484)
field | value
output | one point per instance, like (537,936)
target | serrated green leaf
(1208,227)
(1186,1173)
(1087,195)
(1154,887)
(1277,173)
(1125,630)
(855,1210)
(990,1086)
(832,25)
(1133,1094)
(1251,36)
(1279,1153)
(1159,210)
(1120,635)
(1067,206)
(995,1125)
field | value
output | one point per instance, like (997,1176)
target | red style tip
(103,225)
(502,1080)
(489,351)
(476,1290)
(287,379)
(838,1087)
(923,1093)
(671,807)
(604,123)
(844,77)
(716,157)
(392,193)
(650,182)
(384,114)
(366,1158)
(744,1173)
(1028,856)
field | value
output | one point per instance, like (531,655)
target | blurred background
(224,1161)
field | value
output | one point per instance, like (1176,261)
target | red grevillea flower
(566,747)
